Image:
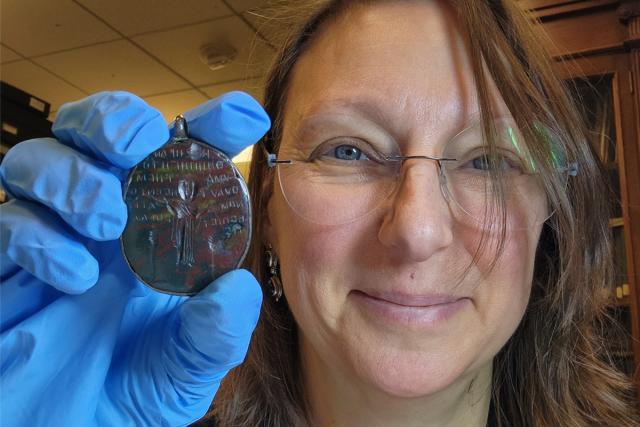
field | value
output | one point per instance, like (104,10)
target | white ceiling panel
(180,49)
(33,79)
(36,27)
(7,54)
(172,104)
(140,16)
(253,87)
(242,5)
(117,65)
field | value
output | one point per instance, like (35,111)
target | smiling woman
(428,227)
(429,193)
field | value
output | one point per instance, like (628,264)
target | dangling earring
(274,275)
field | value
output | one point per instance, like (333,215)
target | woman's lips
(418,310)
(411,300)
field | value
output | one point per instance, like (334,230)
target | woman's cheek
(317,264)
(503,291)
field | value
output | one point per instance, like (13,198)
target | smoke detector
(217,55)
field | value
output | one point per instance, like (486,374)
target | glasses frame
(571,168)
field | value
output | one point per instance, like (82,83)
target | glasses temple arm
(571,169)
(272,160)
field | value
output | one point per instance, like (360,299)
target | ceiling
(63,50)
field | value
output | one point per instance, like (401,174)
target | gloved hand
(82,341)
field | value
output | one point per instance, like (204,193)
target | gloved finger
(35,239)
(230,122)
(116,127)
(86,196)
(213,330)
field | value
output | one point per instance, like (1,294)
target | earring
(274,276)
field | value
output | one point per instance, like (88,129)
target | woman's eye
(485,163)
(348,152)
(481,163)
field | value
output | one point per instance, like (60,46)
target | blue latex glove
(82,341)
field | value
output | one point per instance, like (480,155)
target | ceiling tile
(253,87)
(172,104)
(7,54)
(151,15)
(180,49)
(38,82)
(35,27)
(242,5)
(117,65)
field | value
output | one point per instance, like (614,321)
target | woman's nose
(418,222)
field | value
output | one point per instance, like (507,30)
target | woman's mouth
(416,310)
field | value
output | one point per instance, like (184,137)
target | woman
(425,218)
(336,350)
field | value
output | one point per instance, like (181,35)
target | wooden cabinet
(596,45)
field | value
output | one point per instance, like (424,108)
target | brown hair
(555,370)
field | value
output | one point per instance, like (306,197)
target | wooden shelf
(622,294)
(616,222)
(606,60)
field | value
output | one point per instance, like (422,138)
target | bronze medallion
(189,216)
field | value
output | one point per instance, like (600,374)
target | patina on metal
(189,216)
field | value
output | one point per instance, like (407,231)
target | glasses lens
(341,181)
(340,184)
(516,198)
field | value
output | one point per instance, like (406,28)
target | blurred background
(174,54)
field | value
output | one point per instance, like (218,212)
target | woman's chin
(406,376)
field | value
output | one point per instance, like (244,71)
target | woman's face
(377,300)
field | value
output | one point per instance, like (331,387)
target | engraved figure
(185,216)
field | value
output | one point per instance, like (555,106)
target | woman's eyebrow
(375,113)
(323,111)
(366,107)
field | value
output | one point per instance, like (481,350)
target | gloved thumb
(214,328)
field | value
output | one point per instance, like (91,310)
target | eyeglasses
(343,179)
